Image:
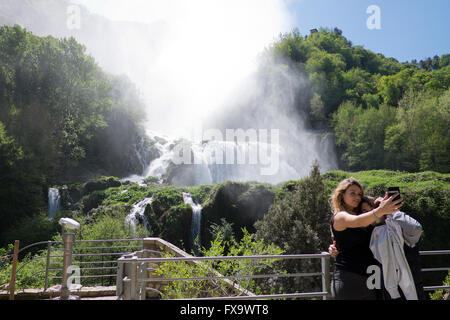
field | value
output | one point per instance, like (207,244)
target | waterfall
(209,163)
(195,222)
(54,202)
(158,166)
(252,157)
(136,215)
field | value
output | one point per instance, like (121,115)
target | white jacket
(386,244)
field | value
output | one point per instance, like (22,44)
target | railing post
(47,265)
(141,285)
(133,278)
(326,284)
(119,278)
(128,278)
(12,284)
(68,239)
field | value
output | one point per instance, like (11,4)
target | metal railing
(97,266)
(135,281)
(433,253)
(91,264)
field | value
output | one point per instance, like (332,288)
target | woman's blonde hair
(337,198)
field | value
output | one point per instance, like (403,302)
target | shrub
(217,287)
(298,222)
(441,294)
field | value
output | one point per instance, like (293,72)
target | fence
(433,253)
(96,268)
(115,262)
(136,273)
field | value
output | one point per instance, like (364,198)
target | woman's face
(352,196)
(366,207)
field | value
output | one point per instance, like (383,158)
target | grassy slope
(410,181)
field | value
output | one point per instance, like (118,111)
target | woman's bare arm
(344,220)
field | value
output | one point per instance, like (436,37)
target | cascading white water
(136,215)
(54,202)
(210,163)
(195,222)
(158,166)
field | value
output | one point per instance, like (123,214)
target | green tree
(325,73)
(360,134)
(298,222)
(392,87)
(444,60)
(419,138)
(10,152)
(359,84)
(55,107)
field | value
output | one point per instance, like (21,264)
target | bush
(217,287)
(299,223)
(441,294)
(31,229)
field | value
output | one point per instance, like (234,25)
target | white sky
(207,48)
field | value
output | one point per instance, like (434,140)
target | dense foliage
(61,118)
(247,246)
(383,113)
(299,222)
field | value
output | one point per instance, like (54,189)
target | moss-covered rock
(237,202)
(72,193)
(101,183)
(164,198)
(176,224)
(91,201)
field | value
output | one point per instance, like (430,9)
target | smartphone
(392,191)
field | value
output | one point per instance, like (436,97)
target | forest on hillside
(61,119)
(384,114)
(64,120)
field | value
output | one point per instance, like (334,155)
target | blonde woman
(367,203)
(352,230)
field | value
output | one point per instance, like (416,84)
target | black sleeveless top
(354,251)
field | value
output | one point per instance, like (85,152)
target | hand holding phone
(387,205)
(392,191)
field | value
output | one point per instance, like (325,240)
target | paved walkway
(85,293)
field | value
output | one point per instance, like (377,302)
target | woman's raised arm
(344,220)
